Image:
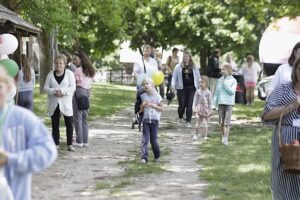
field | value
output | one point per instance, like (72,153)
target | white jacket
(67,87)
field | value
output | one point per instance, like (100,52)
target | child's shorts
(225,112)
(250,84)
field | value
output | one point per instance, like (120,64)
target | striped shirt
(284,186)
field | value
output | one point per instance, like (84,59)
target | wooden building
(11,23)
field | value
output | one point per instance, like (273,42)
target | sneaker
(86,145)
(78,144)
(179,122)
(225,141)
(71,148)
(206,138)
(156,160)
(143,161)
(189,125)
(195,138)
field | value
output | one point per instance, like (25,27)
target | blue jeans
(150,130)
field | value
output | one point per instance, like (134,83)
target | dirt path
(74,175)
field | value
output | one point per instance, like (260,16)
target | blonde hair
(228,67)
(205,79)
(148,79)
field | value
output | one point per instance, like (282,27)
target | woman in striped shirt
(284,99)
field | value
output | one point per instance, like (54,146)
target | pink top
(81,79)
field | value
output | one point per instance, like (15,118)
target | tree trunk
(48,50)
(203,61)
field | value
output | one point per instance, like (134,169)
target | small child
(202,106)
(224,99)
(152,106)
(25,145)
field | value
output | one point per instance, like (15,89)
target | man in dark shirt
(213,70)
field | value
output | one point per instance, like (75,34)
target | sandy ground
(75,174)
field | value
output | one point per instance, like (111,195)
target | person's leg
(248,95)
(169,82)
(55,125)
(85,127)
(30,100)
(162,90)
(145,140)
(69,129)
(181,103)
(77,115)
(153,140)
(20,99)
(204,120)
(190,92)
(228,112)
(252,95)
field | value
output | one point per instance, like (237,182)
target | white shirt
(282,75)
(150,65)
(250,73)
(67,87)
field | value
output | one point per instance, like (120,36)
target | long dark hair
(292,57)
(294,71)
(26,68)
(86,64)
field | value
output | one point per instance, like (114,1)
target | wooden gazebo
(11,23)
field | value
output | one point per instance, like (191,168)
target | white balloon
(3,56)
(8,43)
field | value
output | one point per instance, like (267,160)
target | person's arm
(69,89)
(229,86)
(276,105)
(33,77)
(40,150)
(158,107)
(174,78)
(169,64)
(195,100)
(47,88)
(275,113)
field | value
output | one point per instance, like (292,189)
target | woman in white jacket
(60,86)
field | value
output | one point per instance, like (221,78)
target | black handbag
(82,102)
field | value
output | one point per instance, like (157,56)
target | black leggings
(185,102)
(55,126)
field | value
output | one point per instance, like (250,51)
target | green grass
(248,112)
(242,169)
(105,100)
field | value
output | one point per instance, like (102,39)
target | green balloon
(11,66)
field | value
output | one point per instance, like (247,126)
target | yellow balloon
(158,77)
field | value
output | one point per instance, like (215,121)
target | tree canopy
(99,26)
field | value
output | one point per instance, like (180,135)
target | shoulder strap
(144,64)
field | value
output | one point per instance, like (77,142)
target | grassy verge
(105,100)
(242,169)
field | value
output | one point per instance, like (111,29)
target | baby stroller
(137,120)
